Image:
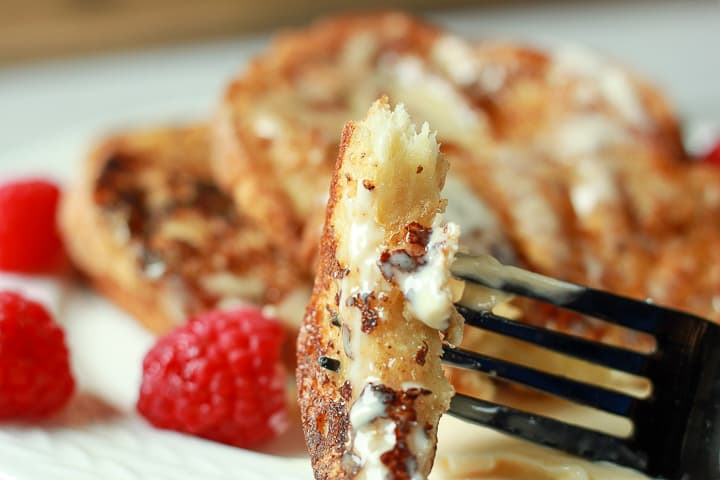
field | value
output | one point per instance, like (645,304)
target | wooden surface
(51,28)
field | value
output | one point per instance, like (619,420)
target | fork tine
(546,431)
(634,314)
(590,395)
(612,357)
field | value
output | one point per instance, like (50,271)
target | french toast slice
(150,229)
(564,162)
(370,382)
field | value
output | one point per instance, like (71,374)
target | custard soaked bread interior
(371,386)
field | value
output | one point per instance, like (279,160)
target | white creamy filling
(370,443)
(611,83)
(434,98)
(582,142)
(375,434)
(594,185)
(587,134)
(267,125)
(619,92)
(427,289)
(362,253)
(369,406)
(418,442)
(366,237)
(455,57)
(411,385)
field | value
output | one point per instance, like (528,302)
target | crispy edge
(323,406)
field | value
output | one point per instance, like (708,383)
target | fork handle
(700,453)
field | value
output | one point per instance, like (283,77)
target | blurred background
(52,28)
(95,65)
(35,29)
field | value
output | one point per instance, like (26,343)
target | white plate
(51,113)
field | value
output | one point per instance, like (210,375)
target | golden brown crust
(151,230)
(323,401)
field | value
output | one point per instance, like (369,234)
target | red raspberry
(29,239)
(35,377)
(713,156)
(218,377)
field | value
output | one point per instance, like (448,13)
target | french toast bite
(371,385)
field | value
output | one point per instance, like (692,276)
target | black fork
(676,430)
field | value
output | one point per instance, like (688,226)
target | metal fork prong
(638,315)
(607,355)
(586,394)
(634,314)
(546,431)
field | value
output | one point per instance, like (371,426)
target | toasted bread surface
(148,226)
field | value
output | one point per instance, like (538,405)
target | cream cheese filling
(427,288)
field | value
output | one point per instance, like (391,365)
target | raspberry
(35,377)
(218,377)
(29,239)
(713,156)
